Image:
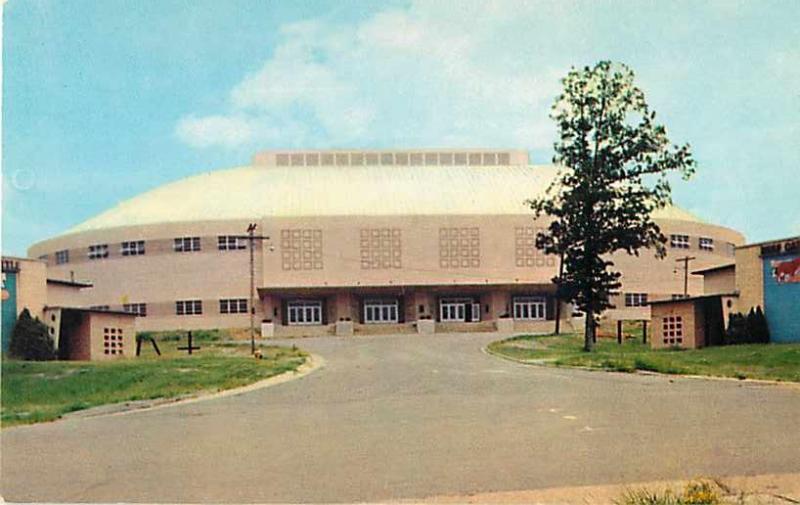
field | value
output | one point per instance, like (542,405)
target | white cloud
(412,76)
(228,131)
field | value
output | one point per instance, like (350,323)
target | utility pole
(252,237)
(558,292)
(685,260)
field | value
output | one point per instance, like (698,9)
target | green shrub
(31,340)
(749,329)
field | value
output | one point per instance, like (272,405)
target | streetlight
(252,237)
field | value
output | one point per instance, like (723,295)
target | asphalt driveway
(396,417)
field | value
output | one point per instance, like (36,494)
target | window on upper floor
(98,251)
(187,244)
(635,299)
(140,309)
(233,306)
(706,244)
(231,242)
(62,257)
(132,248)
(188,307)
(679,241)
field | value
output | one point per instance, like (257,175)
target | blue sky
(103,100)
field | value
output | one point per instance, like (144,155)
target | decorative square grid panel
(459,247)
(381,248)
(526,254)
(672,330)
(301,249)
(112,341)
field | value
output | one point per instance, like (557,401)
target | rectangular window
(233,306)
(100,307)
(132,248)
(635,299)
(140,309)
(380,311)
(679,296)
(188,307)
(458,310)
(62,257)
(304,312)
(679,241)
(706,244)
(231,242)
(672,328)
(187,244)
(98,251)
(529,308)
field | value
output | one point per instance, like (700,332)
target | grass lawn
(753,361)
(43,391)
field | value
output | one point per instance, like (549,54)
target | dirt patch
(768,489)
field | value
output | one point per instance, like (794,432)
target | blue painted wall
(9,306)
(782,303)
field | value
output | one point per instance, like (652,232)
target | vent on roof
(372,158)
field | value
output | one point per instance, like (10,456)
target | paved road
(410,417)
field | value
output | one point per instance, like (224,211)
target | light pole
(252,237)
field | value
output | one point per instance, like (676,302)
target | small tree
(613,160)
(30,339)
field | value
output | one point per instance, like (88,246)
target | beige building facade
(379,239)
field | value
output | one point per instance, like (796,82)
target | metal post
(644,332)
(619,331)
(558,295)
(251,237)
(685,260)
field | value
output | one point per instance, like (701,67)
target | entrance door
(458,310)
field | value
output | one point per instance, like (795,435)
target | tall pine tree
(614,160)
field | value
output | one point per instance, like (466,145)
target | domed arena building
(379,240)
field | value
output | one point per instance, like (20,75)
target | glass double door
(459,310)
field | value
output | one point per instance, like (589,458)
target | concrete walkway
(410,417)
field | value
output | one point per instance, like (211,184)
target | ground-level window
(529,308)
(381,311)
(459,310)
(706,244)
(672,328)
(635,299)
(112,341)
(304,312)
(188,307)
(233,306)
(140,309)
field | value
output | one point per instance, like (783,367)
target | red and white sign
(786,271)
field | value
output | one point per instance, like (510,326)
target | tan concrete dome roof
(258,191)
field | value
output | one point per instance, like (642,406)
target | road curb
(311,365)
(545,364)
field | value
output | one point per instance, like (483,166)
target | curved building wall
(318,256)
